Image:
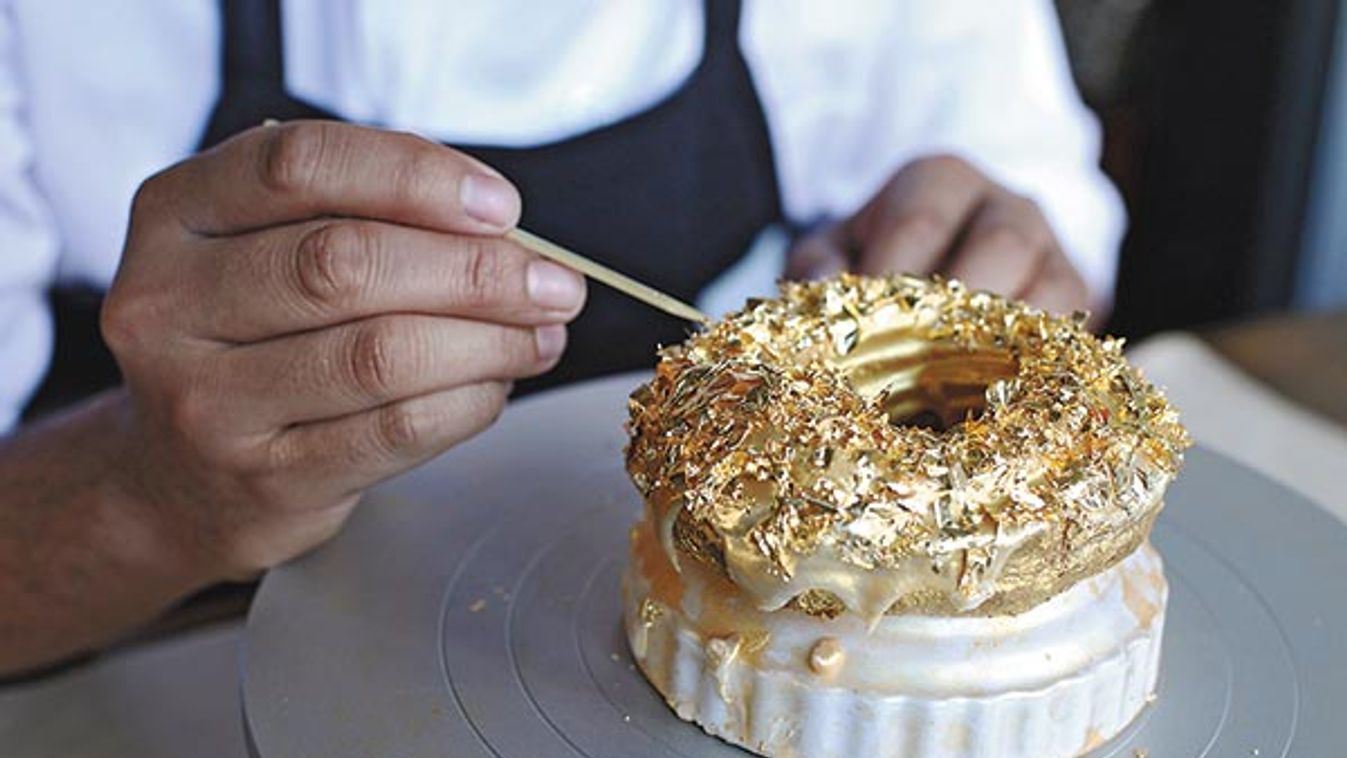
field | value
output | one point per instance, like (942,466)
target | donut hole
(948,390)
(922,383)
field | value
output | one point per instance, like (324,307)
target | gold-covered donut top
(899,445)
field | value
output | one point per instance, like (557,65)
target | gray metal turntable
(470,609)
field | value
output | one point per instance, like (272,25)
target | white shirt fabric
(95,97)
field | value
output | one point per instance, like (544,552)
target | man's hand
(301,312)
(941,215)
(306,310)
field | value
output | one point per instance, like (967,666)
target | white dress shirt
(96,96)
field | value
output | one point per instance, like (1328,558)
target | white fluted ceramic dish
(473,609)
(1053,682)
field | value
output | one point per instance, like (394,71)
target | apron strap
(252,52)
(252,70)
(722,28)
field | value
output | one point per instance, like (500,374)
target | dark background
(1211,109)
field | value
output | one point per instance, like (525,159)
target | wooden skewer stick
(620,282)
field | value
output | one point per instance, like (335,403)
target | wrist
(85,557)
(155,528)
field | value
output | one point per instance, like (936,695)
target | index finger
(288,172)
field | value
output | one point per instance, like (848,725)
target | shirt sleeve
(28,244)
(984,79)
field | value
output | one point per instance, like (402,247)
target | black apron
(672,196)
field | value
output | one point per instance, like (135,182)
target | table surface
(1304,357)
(177,694)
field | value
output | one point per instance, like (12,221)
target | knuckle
(419,173)
(397,429)
(246,461)
(128,322)
(331,262)
(497,396)
(1008,239)
(482,273)
(156,204)
(119,323)
(1038,231)
(921,225)
(1080,291)
(372,359)
(1035,229)
(194,420)
(292,156)
(485,402)
(1025,204)
(279,454)
(519,346)
(190,417)
(945,163)
(148,198)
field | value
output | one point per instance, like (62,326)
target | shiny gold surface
(900,445)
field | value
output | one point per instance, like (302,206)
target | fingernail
(551,341)
(816,258)
(554,287)
(824,269)
(490,200)
(820,266)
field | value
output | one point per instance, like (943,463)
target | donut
(900,445)
(898,517)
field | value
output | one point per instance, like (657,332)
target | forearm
(82,559)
